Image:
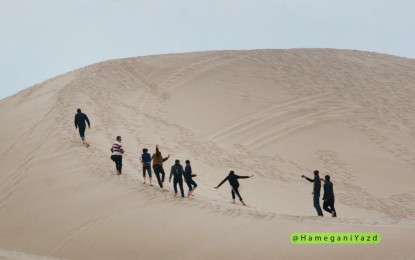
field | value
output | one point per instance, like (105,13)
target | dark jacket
(80,119)
(146,158)
(317,185)
(233,180)
(177,172)
(328,191)
(188,172)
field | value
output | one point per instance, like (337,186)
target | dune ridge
(276,114)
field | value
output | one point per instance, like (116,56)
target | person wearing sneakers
(316,191)
(117,152)
(188,178)
(233,181)
(158,165)
(146,162)
(80,119)
(328,196)
(177,173)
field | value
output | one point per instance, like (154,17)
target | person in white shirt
(117,152)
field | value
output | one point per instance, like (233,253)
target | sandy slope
(276,114)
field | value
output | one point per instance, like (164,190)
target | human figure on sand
(80,119)
(328,196)
(145,159)
(233,181)
(177,172)
(158,166)
(117,152)
(188,178)
(316,191)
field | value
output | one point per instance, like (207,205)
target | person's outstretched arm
(243,177)
(166,158)
(76,125)
(308,179)
(221,182)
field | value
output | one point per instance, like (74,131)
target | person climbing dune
(316,191)
(233,181)
(80,119)
(328,197)
(145,159)
(158,166)
(177,173)
(188,178)
(117,152)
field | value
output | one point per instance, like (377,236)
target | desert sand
(276,114)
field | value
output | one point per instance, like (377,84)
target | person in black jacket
(233,181)
(177,172)
(80,119)
(328,196)
(188,178)
(316,191)
(146,163)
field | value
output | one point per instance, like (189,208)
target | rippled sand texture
(276,114)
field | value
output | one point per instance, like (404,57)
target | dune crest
(276,114)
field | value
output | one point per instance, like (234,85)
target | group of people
(177,172)
(155,162)
(328,196)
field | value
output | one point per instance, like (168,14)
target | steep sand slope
(276,114)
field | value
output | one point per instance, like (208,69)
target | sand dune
(276,114)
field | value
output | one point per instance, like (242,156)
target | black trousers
(147,167)
(235,191)
(328,205)
(316,202)
(158,169)
(180,182)
(82,131)
(190,182)
(118,161)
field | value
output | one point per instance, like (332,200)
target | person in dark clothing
(316,191)
(177,172)
(188,177)
(158,165)
(80,119)
(233,181)
(117,152)
(328,196)
(146,162)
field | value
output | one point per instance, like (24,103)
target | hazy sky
(40,39)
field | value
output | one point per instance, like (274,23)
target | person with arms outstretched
(316,191)
(146,162)
(177,172)
(117,152)
(188,178)
(80,119)
(158,166)
(328,196)
(233,181)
